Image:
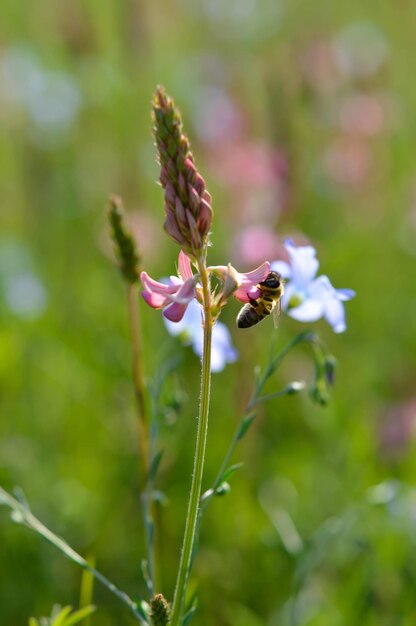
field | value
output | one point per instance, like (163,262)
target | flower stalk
(138,383)
(129,262)
(202,432)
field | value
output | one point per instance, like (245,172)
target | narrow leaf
(154,465)
(189,616)
(79,615)
(60,619)
(230,471)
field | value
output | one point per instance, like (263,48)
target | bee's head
(272,280)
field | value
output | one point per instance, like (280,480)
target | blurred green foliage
(319,525)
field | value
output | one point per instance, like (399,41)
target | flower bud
(125,245)
(159,611)
(187,202)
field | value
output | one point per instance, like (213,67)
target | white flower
(306,298)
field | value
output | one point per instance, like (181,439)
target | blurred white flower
(306,298)
(361,49)
(51,99)
(25,295)
(189,330)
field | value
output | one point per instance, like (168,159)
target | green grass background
(67,429)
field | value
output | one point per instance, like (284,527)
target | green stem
(143,433)
(22,515)
(138,381)
(249,413)
(201,440)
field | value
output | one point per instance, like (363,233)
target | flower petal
(155,300)
(282,268)
(287,295)
(321,288)
(244,294)
(304,263)
(174,312)
(309,311)
(345,294)
(154,286)
(185,293)
(184,266)
(335,315)
(189,325)
(251,279)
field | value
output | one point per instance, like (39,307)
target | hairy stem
(138,381)
(201,440)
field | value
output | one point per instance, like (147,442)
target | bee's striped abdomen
(251,314)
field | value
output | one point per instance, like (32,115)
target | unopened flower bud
(159,611)
(330,365)
(125,245)
(187,202)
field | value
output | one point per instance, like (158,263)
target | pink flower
(174,296)
(246,284)
(248,287)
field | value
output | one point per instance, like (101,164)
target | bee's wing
(277,309)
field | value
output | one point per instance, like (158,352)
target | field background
(302,120)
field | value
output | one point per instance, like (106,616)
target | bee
(269,301)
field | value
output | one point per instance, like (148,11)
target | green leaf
(79,615)
(189,616)
(230,471)
(154,465)
(33,621)
(60,619)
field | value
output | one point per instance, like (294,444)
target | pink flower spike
(173,296)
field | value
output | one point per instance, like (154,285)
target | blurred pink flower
(398,428)
(348,161)
(369,114)
(254,243)
(147,232)
(217,118)
(256,176)
(248,164)
(318,65)
(362,114)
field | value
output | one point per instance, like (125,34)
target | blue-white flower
(189,329)
(307,298)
